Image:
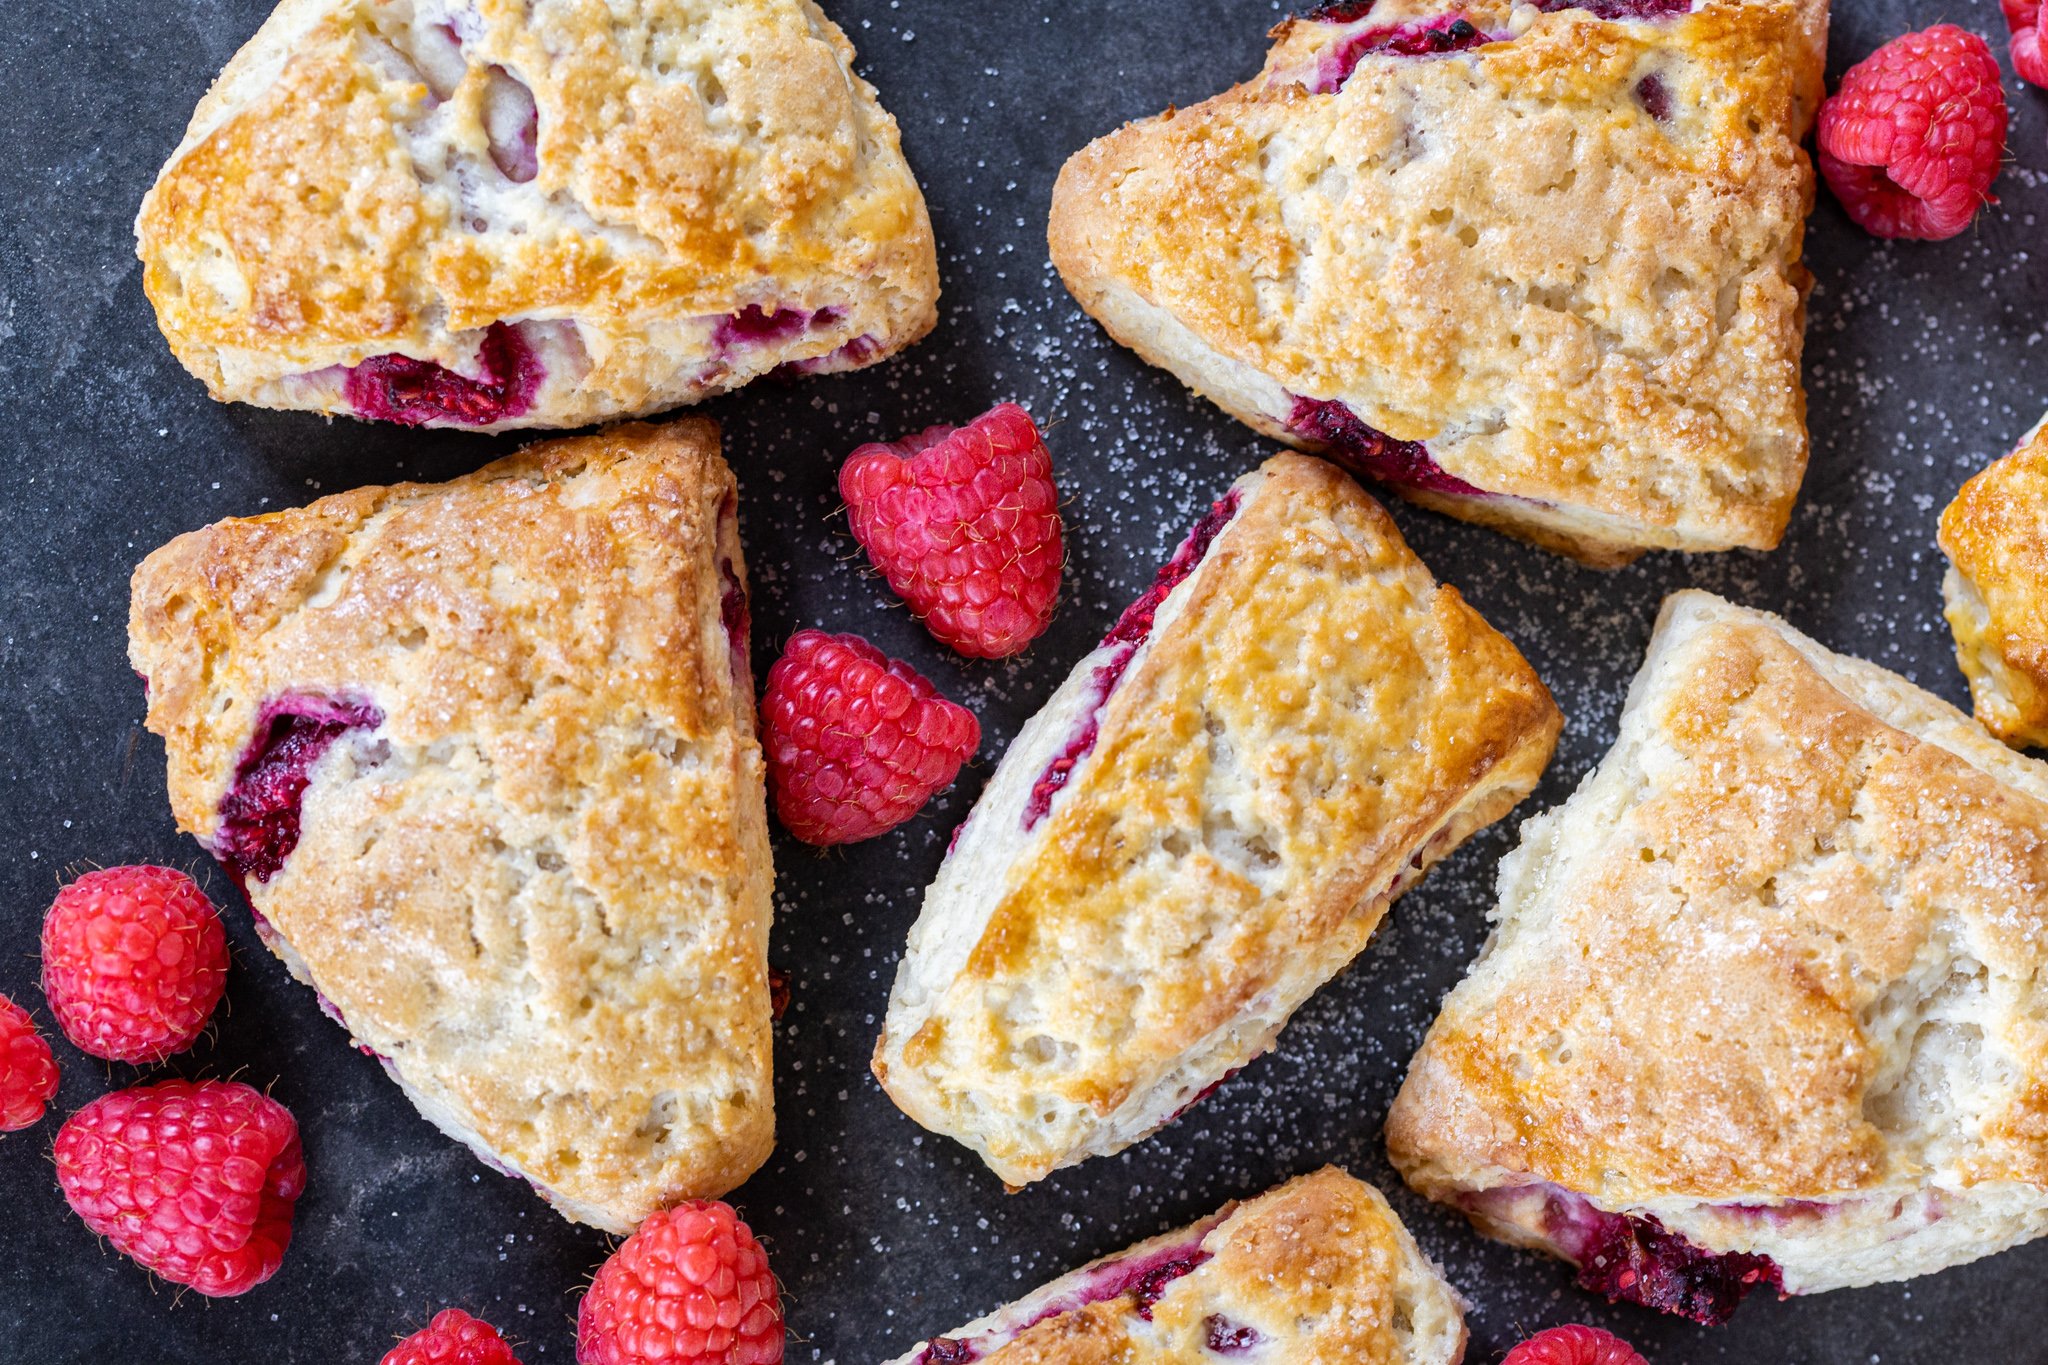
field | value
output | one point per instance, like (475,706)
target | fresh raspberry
(193,1179)
(1910,140)
(2023,21)
(691,1287)
(452,1338)
(134,960)
(964,522)
(1574,1345)
(28,1073)
(857,742)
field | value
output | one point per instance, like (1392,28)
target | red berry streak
(134,961)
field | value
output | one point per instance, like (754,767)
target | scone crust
(695,158)
(1321,1268)
(1995,535)
(1317,723)
(1785,944)
(1502,253)
(539,888)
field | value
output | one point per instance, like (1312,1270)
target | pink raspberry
(28,1073)
(691,1287)
(856,742)
(195,1180)
(1574,1345)
(964,522)
(2023,22)
(134,961)
(452,1338)
(1911,138)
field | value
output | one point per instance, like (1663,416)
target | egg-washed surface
(489,214)
(1548,254)
(1771,978)
(1309,721)
(481,757)
(1317,1272)
(1995,535)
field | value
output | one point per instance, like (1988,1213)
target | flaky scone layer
(1317,1272)
(530,869)
(1995,535)
(1563,257)
(1773,976)
(1311,721)
(663,200)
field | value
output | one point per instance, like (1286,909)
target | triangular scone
(1995,535)
(1203,825)
(534,213)
(1317,1272)
(1531,266)
(1767,1001)
(482,754)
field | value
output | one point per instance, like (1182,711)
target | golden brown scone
(1203,825)
(1546,277)
(534,213)
(1317,1272)
(1995,535)
(482,755)
(1766,1003)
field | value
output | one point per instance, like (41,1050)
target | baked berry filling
(399,388)
(1635,1258)
(754,325)
(1227,1338)
(511,125)
(1125,637)
(1144,1279)
(848,355)
(1620,9)
(1655,97)
(1405,464)
(259,817)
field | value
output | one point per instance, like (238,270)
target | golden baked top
(1310,720)
(661,199)
(482,754)
(1995,534)
(1317,1272)
(1563,255)
(1786,943)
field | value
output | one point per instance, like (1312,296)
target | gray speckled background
(1923,362)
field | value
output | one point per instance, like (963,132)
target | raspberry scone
(1995,535)
(1766,1003)
(1536,265)
(483,214)
(1317,1272)
(1203,825)
(482,755)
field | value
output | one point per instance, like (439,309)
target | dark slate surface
(1924,361)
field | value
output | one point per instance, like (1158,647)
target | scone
(1536,265)
(488,214)
(1317,1272)
(1203,825)
(1766,1003)
(482,755)
(1995,535)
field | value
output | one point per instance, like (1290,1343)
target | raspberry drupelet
(28,1071)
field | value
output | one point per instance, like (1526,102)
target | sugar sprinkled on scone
(1764,1004)
(1317,1272)
(1203,824)
(482,755)
(455,213)
(1534,265)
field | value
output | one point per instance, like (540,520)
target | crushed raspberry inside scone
(1227,1338)
(259,817)
(1371,451)
(398,388)
(1143,1279)
(1620,9)
(1637,1259)
(1126,637)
